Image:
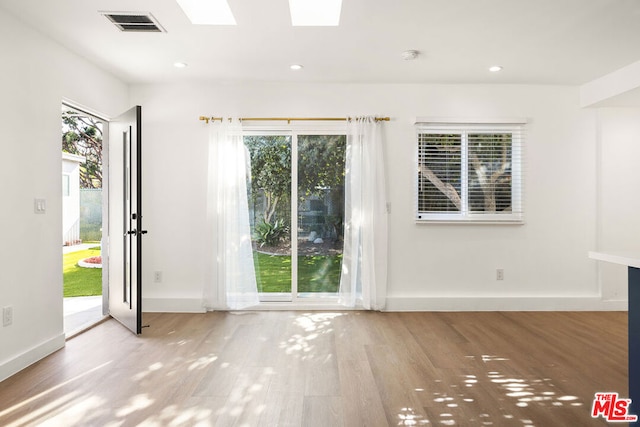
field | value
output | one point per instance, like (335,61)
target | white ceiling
(537,42)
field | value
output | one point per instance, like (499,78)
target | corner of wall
(31,356)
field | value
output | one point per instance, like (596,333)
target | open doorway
(83,203)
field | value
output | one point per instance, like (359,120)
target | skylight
(208,12)
(315,13)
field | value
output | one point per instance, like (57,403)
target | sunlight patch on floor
(409,417)
(520,392)
(137,403)
(51,406)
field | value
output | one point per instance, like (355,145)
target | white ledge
(628,258)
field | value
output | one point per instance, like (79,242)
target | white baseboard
(29,357)
(172,305)
(503,304)
(398,303)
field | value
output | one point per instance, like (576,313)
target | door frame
(104,241)
(294,130)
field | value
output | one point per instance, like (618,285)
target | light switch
(40,206)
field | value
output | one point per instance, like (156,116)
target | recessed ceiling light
(315,13)
(180,64)
(210,12)
(296,67)
(495,68)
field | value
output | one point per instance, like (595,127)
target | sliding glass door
(270,213)
(297,214)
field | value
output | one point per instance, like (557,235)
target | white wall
(619,204)
(575,201)
(35,76)
(71,201)
(450,267)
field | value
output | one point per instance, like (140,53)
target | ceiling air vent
(134,22)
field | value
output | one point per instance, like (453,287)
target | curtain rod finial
(206,119)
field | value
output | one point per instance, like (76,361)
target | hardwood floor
(328,369)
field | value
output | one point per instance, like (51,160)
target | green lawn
(318,273)
(79,282)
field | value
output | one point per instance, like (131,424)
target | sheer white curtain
(231,280)
(363,281)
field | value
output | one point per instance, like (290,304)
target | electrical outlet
(7,316)
(499,274)
(157,276)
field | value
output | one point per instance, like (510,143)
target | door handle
(143,231)
(134,232)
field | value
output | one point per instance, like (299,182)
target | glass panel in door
(270,213)
(320,188)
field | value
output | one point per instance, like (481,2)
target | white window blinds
(469,172)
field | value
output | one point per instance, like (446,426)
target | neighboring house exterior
(71,198)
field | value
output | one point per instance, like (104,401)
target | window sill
(490,220)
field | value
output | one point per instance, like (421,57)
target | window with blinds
(469,172)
